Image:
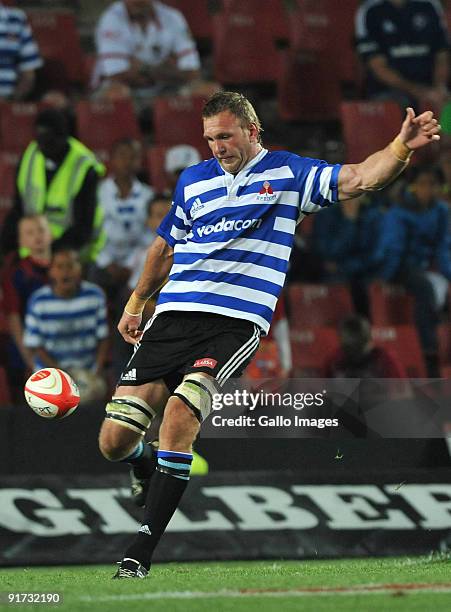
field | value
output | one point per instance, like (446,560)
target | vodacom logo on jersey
(229,226)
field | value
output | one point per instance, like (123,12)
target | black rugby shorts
(179,343)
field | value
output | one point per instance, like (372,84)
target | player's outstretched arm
(380,168)
(156,269)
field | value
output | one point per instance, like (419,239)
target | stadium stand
(245,23)
(320,100)
(317,305)
(5,392)
(390,305)
(17,125)
(368,127)
(178,119)
(155,164)
(444,344)
(8,165)
(59,44)
(310,348)
(101,123)
(403,341)
(197,14)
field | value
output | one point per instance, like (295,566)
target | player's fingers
(424,118)
(410,116)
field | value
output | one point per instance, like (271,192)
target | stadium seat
(58,39)
(155,162)
(310,349)
(368,127)
(308,87)
(8,167)
(318,305)
(178,119)
(390,305)
(101,123)
(244,42)
(197,14)
(444,344)
(325,26)
(5,392)
(403,341)
(266,361)
(17,125)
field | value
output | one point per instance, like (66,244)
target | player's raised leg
(189,405)
(128,417)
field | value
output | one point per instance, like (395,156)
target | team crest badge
(266,193)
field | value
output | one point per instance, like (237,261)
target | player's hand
(419,131)
(128,327)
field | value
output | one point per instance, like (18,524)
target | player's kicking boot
(130,568)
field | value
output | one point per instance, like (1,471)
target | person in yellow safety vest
(58,177)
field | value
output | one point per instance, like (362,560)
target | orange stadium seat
(58,39)
(178,119)
(390,305)
(101,123)
(308,87)
(368,127)
(197,14)
(403,341)
(310,349)
(244,42)
(318,305)
(17,125)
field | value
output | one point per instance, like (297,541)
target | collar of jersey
(249,164)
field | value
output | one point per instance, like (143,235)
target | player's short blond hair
(235,103)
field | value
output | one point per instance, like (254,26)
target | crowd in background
(75,236)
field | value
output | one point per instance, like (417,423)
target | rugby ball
(52,393)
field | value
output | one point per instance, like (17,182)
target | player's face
(231,144)
(34,234)
(65,272)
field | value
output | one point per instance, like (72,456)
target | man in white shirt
(146,46)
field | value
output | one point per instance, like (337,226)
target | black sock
(167,486)
(143,459)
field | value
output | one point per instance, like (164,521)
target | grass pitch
(357,585)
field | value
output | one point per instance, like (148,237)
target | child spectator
(124,200)
(415,250)
(20,277)
(65,323)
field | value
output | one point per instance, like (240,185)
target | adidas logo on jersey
(229,226)
(145,529)
(130,375)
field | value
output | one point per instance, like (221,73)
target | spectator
(146,46)
(358,357)
(124,200)
(177,159)
(346,238)
(20,277)
(157,210)
(19,55)
(65,323)
(58,177)
(404,46)
(415,250)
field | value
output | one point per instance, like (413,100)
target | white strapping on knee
(197,392)
(131,412)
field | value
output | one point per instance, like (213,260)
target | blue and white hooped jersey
(232,235)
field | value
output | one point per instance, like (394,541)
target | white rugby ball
(52,393)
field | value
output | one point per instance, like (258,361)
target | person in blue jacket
(346,239)
(415,251)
